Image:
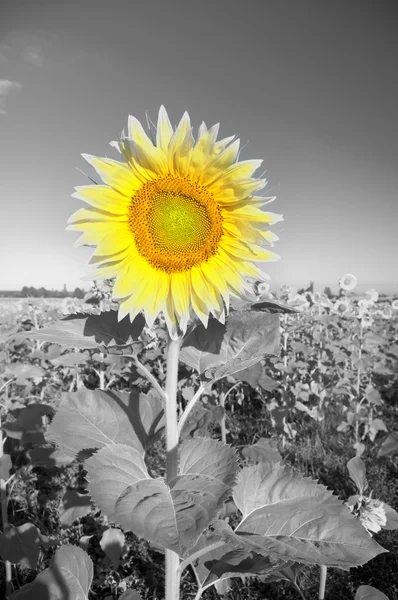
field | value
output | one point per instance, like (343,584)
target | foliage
(77,403)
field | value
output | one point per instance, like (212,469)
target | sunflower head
(348,282)
(176,222)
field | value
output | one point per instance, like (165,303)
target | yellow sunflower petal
(200,308)
(107,270)
(215,167)
(171,319)
(222,144)
(116,239)
(103,197)
(116,174)
(164,130)
(245,252)
(201,154)
(88,215)
(180,143)
(251,213)
(94,233)
(203,289)
(161,287)
(180,288)
(212,274)
(227,265)
(243,230)
(135,303)
(142,149)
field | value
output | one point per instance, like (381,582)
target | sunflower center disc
(176,223)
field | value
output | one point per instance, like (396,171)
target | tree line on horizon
(42,292)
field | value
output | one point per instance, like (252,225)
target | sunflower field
(183,431)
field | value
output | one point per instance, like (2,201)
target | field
(320,394)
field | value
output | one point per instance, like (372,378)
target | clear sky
(310,86)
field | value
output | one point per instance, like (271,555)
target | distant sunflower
(176,223)
(348,282)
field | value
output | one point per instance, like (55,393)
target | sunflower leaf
(222,350)
(228,560)
(256,376)
(69,576)
(92,419)
(113,544)
(21,545)
(262,451)
(291,517)
(204,456)
(74,506)
(170,517)
(368,592)
(88,331)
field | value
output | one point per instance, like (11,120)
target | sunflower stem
(4,517)
(322,583)
(172,558)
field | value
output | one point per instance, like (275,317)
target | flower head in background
(372,295)
(386,313)
(370,512)
(366,321)
(177,223)
(348,282)
(262,288)
(341,306)
(394,304)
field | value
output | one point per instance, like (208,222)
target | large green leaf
(389,446)
(21,545)
(68,578)
(171,517)
(368,592)
(88,331)
(357,470)
(255,375)
(220,350)
(74,506)
(92,419)
(264,450)
(113,544)
(270,306)
(291,517)
(212,458)
(227,560)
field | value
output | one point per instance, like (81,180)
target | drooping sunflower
(177,222)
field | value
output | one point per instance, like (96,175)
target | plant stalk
(4,518)
(358,385)
(172,558)
(322,583)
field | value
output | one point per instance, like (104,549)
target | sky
(310,87)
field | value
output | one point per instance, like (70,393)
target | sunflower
(348,282)
(372,295)
(176,223)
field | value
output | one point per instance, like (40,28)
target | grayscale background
(309,86)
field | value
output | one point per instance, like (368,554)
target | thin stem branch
(148,375)
(5,384)
(300,592)
(189,407)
